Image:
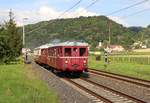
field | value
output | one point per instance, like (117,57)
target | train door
(83,53)
(75,57)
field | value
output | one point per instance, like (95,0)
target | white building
(114,48)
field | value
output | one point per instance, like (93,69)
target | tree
(10,40)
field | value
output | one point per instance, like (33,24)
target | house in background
(140,45)
(114,48)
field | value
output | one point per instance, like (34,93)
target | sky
(41,10)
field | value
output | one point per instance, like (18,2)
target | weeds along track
(139,82)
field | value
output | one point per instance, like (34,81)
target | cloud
(143,5)
(119,20)
(147,4)
(66,0)
(79,12)
(48,13)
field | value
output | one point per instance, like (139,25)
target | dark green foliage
(136,29)
(10,42)
(88,29)
(144,36)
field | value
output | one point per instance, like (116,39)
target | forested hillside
(142,35)
(88,29)
(145,36)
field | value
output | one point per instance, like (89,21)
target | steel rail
(114,91)
(121,77)
(89,91)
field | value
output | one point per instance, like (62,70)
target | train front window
(75,52)
(67,51)
(82,51)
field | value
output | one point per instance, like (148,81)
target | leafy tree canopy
(10,40)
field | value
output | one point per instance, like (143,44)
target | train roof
(63,44)
(72,44)
(44,46)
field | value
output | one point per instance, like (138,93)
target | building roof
(114,46)
(44,46)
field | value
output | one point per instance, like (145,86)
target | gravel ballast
(133,90)
(66,93)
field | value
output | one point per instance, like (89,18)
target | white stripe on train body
(65,57)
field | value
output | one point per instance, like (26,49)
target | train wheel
(76,74)
(52,70)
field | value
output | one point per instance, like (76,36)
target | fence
(131,59)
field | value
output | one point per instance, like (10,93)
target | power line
(128,7)
(94,2)
(122,9)
(135,13)
(70,8)
(88,6)
(58,16)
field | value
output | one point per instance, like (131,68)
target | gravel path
(66,93)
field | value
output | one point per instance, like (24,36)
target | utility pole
(10,14)
(109,31)
(23,36)
(142,38)
(23,41)
(23,31)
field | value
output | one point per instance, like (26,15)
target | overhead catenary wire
(128,7)
(88,6)
(120,10)
(77,3)
(70,8)
(135,13)
(91,4)
(94,2)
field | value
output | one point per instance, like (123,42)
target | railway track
(96,96)
(102,94)
(139,82)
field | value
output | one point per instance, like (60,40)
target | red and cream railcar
(40,54)
(67,56)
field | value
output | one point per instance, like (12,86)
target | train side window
(42,52)
(75,50)
(67,51)
(60,51)
(49,52)
(82,51)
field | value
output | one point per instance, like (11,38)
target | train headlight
(66,61)
(84,61)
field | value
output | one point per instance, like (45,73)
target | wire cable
(88,6)
(128,7)
(94,2)
(58,16)
(135,13)
(70,8)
